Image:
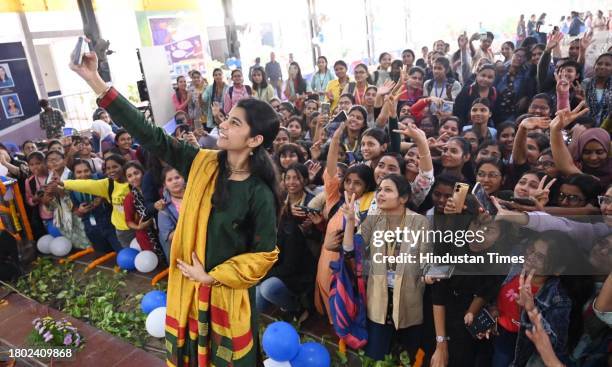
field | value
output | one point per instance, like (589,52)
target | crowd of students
(380,150)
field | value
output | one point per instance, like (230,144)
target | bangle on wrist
(101,95)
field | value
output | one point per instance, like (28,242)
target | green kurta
(247,223)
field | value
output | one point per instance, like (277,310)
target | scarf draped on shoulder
(208,324)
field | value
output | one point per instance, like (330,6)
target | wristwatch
(442,339)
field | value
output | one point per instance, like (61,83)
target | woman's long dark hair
(401,184)
(154,168)
(301,86)
(214,84)
(264,121)
(302,171)
(177,90)
(264,82)
(365,173)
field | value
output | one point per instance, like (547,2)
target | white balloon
(272,363)
(60,246)
(43,244)
(135,245)
(156,322)
(146,261)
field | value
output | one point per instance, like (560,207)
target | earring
(251,152)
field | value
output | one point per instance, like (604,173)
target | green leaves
(100,299)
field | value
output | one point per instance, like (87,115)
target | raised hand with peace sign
(565,117)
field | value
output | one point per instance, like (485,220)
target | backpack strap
(335,208)
(231,91)
(249,90)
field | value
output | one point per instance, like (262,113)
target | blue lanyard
(436,89)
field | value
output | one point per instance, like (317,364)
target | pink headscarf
(598,134)
(604,173)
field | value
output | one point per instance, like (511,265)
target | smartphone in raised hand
(81,47)
(459,194)
(484,199)
(325,108)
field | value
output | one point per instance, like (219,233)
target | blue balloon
(311,354)
(280,341)
(125,258)
(52,230)
(153,300)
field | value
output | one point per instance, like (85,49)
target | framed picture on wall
(11,105)
(6,78)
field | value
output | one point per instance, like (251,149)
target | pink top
(44,212)
(178,105)
(238,93)
(177,203)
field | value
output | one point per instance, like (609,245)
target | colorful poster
(163,30)
(181,36)
(185,50)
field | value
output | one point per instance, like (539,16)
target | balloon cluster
(54,243)
(154,305)
(133,258)
(282,344)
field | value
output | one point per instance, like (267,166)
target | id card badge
(391,279)
(92,220)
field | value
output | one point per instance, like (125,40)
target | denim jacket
(555,305)
(166,221)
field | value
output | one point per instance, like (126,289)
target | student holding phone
(459,300)
(290,283)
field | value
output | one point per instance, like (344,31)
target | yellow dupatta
(208,325)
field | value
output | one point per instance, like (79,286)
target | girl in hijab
(587,154)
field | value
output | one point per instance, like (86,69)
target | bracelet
(101,95)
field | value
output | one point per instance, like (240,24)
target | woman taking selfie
(225,238)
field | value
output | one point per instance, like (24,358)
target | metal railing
(77,108)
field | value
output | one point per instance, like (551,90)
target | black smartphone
(439,271)
(309,210)
(482,323)
(333,125)
(484,199)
